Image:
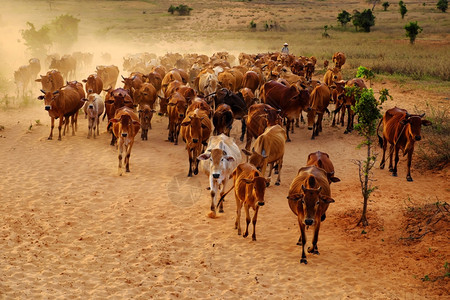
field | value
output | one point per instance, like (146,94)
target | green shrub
(402,8)
(385,5)
(412,30)
(182,9)
(363,20)
(442,5)
(344,17)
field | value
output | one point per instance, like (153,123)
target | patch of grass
(434,151)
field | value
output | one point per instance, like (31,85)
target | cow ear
(295,197)
(204,156)
(327,199)
(109,101)
(248,181)
(114,120)
(136,123)
(334,179)
(38,80)
(204,126)
(229,158)
(185,123)
(171,104)
(40,97)
(84,80)
(246,152)
(426,123)
(404,121)
(84,99)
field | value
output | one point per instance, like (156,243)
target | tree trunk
(365,191)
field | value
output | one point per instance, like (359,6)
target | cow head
(413,125)
(310,201)
(178,102)
(258,186)
(195,128)
(92,101)
(145,117)
(124,126)
(256,159)
(49,99)
(218,163)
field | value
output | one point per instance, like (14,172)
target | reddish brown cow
(249,190)
(320,99)
(345,102)
(62,104)
(339,59)
(146,95)
(52,81)
(145,118)
(401,130)
(332,75)
(114,100)
(155,79)
(93,84)
(288,99)
(223,119)
(309,197)
(132,84)
(67,65)
(260,116)
(322,160)
(176,109)
(125,126)
(108,75)
(251,81)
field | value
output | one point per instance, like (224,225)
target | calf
(51,81)
(145,118)
(223,119)
(320,99)
(401,130)
(93,84)
(218,162)
(125,126)
(249,190)
(309,197)
(93,108)
(176,109)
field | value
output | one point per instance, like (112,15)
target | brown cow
(155,79)
(195,131)
(332,75)
(401,130)
(109,75)
(114,100)
(145,118)
(338,59)
(52,81)
(223,119)
(269,149)
(62,104)
(288,99)
(125,126)
(145,95)
(93,84)
(133,83)
(309,197)
(260,116)
(227,80)
(322,160)
(25,75)
(251,81)
(176,109)
(320,99)
(249,190)
(67,65)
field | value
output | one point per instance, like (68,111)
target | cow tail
(223,196)
(104,115)
(380,139)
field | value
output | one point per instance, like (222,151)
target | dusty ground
(72,228)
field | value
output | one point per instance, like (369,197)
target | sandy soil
(72,228)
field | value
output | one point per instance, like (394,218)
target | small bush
(252,24)
(363,20)
(182,9)
(402,8)
(434,151)
(385,5)
(412,30)
(344,17)
(442,5)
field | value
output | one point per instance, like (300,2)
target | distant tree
(365,20)
(37,41)
(344,17)
(412,30)
(385,5)
(403,9)
(171,9)
(181,9)
(442,5)
(325,33)
(63,30)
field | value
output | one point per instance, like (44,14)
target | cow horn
(43,92)
(122,77)
(422,115)
(407,115)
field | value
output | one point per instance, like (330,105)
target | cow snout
(347,105)
(417,137)
(261,203)
(47,107)
(160,114)
(195,140)
(334,77)
(91,106)
(181,115)
(124,134)
(216,176)
(309,222)
(310,128)
(90,91)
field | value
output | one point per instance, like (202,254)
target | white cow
(221,157)
(94,108)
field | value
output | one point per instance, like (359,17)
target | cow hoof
(323,217)
(303,261)
(381,167)
(245,235)
(195,172)
(241,138)
(391,170)
(49,138)
(128,171)
(299,243)
(212,214)
(394,174)
(346,132)
(288,140)
(267,184)
(409,178)
(221,210)
(254,238)
(277,183)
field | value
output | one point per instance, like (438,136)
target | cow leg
(221,189)
(127,157)
(319,121)
(394,171)
(314,249)
(50,137)
(177,132)
(61,120)
(297,121)
(288,124)
(213,187)
(113,139)
(302,239)
(408,174)
(343,115)
(244,129)
(313,136)
(97,122)
(255,218)
(249,141)
(90,128)
(383,160)
(349,118)
(247,219)
(190,162)
(120,150)
(280,165)
(391,157)
(237,223)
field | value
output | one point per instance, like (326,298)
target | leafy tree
(367,108)
(365,20)
(365,73)
(403,9)
(37,41)
(344,17)
(63,30)
(412,30)
(171,9)
(325,33)
(385,5)
(442,5)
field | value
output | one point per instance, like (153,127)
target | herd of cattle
(202,96)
